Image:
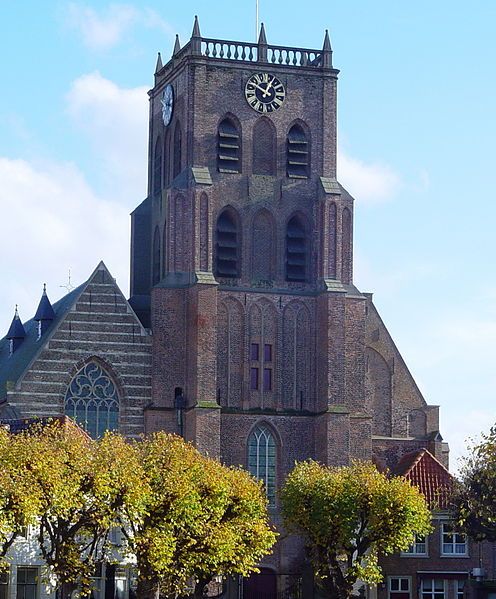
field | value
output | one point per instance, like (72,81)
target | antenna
(256,20)
(69,286)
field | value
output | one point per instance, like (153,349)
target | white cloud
(55,223)
(56,220)
(371,183)
(115,122)
(101,31)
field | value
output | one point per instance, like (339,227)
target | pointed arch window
(264,147)
(227,245)
(92,400)
(164,250)
(262,459)
(178,139)
(296,250)
(157,167)
(228,147)
(156,257)
(297,153)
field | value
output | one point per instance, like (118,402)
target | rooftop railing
(251,52)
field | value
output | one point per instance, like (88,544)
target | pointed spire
(196,38)
(16,332)
(262,38)
(44,313)
(327,51)
(262,45)
(159,64)
(327,41)
(196,28)
(177,46)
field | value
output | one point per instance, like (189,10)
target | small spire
(159,63)
(262,38)
(177,46)
(44,313)
(327,41)
(327,51)
(196,28)
(16,333)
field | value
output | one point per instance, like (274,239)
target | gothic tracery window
(262,459)
(92,400)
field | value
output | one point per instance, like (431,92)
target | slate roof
(12,367)
(427,473)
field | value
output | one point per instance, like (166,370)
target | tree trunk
(147,589)
(66,589)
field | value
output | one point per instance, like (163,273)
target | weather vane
(69,287)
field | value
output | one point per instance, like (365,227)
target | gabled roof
(427,473)
(13,367)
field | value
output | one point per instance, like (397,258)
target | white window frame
(460,593)
(399,590)
(37,577)
(415,548)
(453,543)
(432,593)
(6,576)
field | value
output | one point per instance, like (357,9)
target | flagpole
(256,19)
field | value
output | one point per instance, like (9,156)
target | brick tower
(264,352)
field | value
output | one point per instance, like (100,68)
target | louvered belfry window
(296,250)
(228,148)
(227,245)
(298,156)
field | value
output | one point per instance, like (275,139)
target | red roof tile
(432,479)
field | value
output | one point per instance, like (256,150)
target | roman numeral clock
(264,92)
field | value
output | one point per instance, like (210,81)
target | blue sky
(416,148)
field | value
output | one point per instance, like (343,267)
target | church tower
(264,352)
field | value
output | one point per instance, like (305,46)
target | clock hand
(262,89)
(269,85)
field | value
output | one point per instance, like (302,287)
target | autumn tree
(20,505)
(349,516)
(198,519)
(473,502)
(81,485)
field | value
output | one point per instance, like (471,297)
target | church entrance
(260,586)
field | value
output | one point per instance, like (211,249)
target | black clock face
(264,92)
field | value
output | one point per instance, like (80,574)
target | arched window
(262,459)
(297,153)
(164,250)
(227,245)
(92,400)
(166,174)
(157,167)
(228,147)
(347,267)
(296,250)
(177,151)
(264,147)
(156,257)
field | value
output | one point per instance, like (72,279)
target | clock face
(264,92)
(167,102)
